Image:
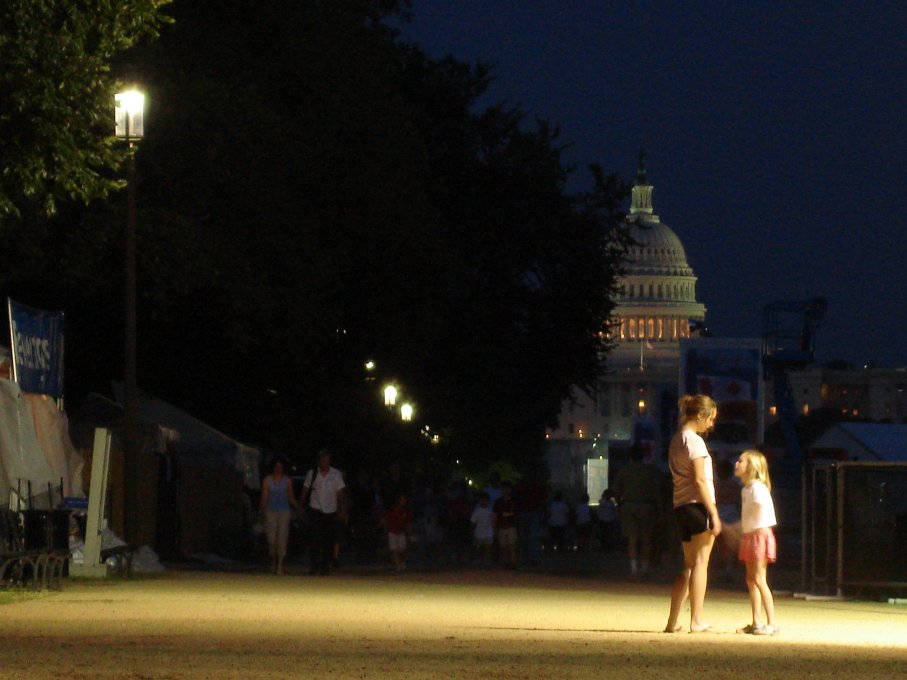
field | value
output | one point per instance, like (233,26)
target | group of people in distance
(492,523)
(698,519)
(495,520)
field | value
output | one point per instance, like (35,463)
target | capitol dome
(656,299)
(654,308)
(656,249)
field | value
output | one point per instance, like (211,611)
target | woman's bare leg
(678,596)
(696,554)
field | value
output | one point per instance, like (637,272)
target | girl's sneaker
(765,630)
(749,629)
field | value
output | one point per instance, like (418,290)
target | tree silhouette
(315,192)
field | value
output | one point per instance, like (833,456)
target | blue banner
(37,347)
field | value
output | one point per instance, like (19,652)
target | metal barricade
(857,527)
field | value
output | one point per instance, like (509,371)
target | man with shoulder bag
(323,498)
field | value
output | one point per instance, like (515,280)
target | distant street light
(390,395)
(369,365)
(406,412)
(129,114)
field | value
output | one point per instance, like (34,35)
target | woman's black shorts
(692,519)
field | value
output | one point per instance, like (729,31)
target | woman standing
(276,498)
(694,507)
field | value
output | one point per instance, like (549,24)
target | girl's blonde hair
(757,468)
(695,406)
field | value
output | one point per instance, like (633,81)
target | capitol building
(655,309)
(656,300)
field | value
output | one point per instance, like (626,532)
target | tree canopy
(56,94)
(315,192)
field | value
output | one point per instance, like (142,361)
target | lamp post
(390,395)
(129,115)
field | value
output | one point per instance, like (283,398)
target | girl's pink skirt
(758,545)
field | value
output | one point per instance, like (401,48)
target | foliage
(56,97)
(314,192)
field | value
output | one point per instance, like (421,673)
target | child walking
(397,521)
(482,521)
(757,545)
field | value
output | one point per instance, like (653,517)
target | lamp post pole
(130,398)
(130,127)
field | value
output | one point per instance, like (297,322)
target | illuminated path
(454,625)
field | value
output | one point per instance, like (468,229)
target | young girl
(757,546)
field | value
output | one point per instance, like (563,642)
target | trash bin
(36,524)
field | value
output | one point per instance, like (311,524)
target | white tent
(35,447)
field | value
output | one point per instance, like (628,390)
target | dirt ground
(464,624)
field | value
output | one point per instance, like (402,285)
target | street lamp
(406,412)
(390,395)
(129,114)
(129,118)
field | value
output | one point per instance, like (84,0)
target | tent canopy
(885,442)
(188,436)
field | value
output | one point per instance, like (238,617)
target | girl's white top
(758,508)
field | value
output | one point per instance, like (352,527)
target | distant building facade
(878,394)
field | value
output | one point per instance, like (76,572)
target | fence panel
(873,520)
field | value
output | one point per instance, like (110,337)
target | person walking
(606,516)
(276,498)
(482,522)
(398,522)
(638,491)
(531,498)
(505,525)
(558,522)
(694,508)
(323,489)
(457,518)
(583,523)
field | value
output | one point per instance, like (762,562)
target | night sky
(774,134)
